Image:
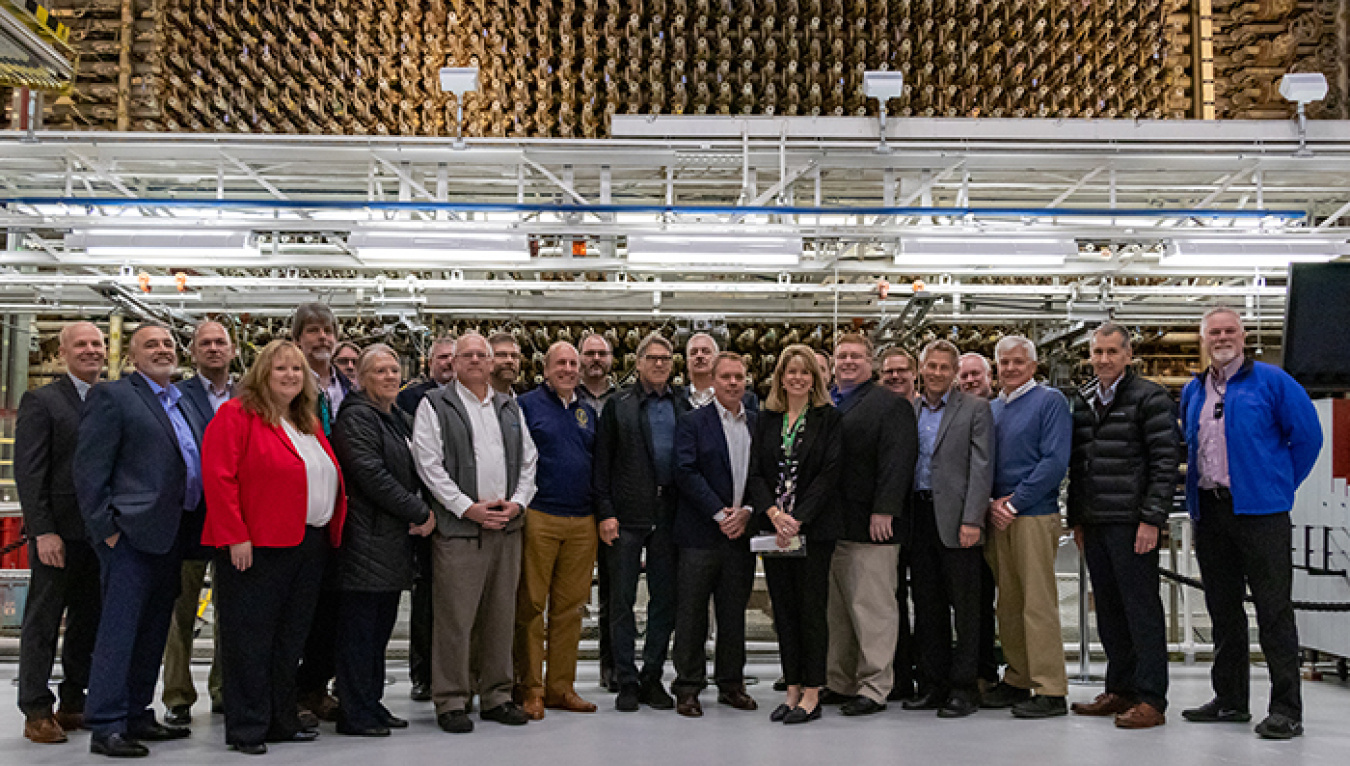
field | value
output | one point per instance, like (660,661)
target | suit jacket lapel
(280,432)
(720,429)
(67,387)
(953,406)
(152,401)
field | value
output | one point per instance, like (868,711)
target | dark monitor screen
(1317,326)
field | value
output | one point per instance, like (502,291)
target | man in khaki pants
(1033,434)
(474,453)
(560,539)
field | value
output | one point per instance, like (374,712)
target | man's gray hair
(1204,320)
(656,338)
(444,340)
(1011,342)
(307,314)
(984,360)
(716,348)
(470,335)
(1111,328)
(941,346)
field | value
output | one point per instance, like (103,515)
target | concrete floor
(726,736)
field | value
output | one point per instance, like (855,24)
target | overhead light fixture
(459,81)
(720,250)
(940,252)
(164,245)
(440,247)
(883,86)
(1251,252)
(1303,88)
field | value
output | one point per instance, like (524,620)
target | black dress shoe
(1041,706)
(957,706)
(1279,726)
(393,721)
(257,748)
(1004,696)
(1216,712)
(932,700)
(304,735)
(455,722)
(307,719)
(117,746)
(861,705)
(653,694)
(178,715)
(158,732)
(780,712)
(627,701)
(799,714)
(420,692)
(508,713)
(829,696)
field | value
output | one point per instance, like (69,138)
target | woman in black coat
(371,439)
(794,466)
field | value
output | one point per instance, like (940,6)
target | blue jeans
(625,563)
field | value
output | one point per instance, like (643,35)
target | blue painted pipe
(493,207)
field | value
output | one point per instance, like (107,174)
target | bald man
(64,578)
(560,538)
(212,353)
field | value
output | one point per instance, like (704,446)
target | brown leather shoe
(44,730)
(687,705)
(533,705)
(323,705)
(738,699)
(1141,716)
(571,702)
(70,721)
(1107,703)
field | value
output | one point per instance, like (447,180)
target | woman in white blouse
(275,506)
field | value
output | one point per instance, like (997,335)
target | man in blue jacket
(1253,437)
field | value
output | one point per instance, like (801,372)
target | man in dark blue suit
(712,459)
(213,385)
(138,471)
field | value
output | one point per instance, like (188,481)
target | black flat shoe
(363,731)
(799,715)
(304,735)
(929,701)
(117,746)
(254,749)
(957,706)
(780,712)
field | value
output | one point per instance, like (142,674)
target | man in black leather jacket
(1122,479)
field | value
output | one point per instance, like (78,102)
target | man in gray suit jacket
(952,482)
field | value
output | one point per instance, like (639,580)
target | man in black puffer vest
(1122,479)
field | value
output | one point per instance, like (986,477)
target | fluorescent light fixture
(1304,87)
(720,250)
(139,245)
(940,252)
(883,85)
(1251,252)
(444,247)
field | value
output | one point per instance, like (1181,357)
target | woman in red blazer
(274,509)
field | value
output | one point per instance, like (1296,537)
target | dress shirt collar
(1021,391)
(647,390)
(923,401)
(81,387)
(469,396)
(162,391)
(728,415)
(1225,373)
(212,390)
(1108,394)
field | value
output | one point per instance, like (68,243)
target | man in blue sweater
(1253,437)
(560,539)
(1033,434)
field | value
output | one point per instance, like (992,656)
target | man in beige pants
(474,453)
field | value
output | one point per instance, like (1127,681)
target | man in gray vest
(475,455)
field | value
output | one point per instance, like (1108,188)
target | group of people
(317,495)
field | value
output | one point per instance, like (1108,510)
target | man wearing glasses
(1253,437)
(634,483)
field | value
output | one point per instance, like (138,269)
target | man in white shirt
(474,453)
(712,460)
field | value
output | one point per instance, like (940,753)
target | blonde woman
(794,466)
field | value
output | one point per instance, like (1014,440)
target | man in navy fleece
(1033,434)
(1253,437)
